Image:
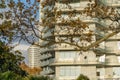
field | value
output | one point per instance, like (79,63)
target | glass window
(62,72)
(67,71)
(116,71)
(73,69)
(77,72)
(70,71)
(67,55)
(61,55)
(119,45)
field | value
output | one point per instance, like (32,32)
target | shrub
(9,76)
(82,77)
(39,78)
(13,76)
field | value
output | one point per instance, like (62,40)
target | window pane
(61,55)
(70,71)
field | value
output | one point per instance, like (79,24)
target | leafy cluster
(67,25)
(9,76)
(12,76)
(18,20)
(9,61)
(83,77)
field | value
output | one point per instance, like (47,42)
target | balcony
(64,47)
(49,33)
(83,18)
(73,62)
(109,50)
(45,56)
(112,3)
(112,50)
(99,51)
(106,50)
(72,1)
(101,23)
(46,72)
(46,62)
(109,78)
(99,34)
(43,50)
(72,6)
(44,43)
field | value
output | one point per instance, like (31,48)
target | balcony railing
(100,50)
(110,79)
(114,3)
(45,56)
(48,62)
(109,49)
(64,47)
(78,6)
(45,72)
(83,19)
(75,62)
(98,34)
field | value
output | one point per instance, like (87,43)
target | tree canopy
(9,60)
(18,22)
(68,25)
(82,77)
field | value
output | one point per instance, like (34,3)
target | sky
(23,46)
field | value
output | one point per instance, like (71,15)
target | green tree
(10,76)
(39,78)
(82,77)
(9,61)
(18,20)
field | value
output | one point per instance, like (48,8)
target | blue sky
(24,46)
(32,1)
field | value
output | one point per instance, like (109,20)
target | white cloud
(22,47)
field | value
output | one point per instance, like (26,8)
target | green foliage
(9,76)
(39,78)
(2,4)
(12,76)
(82,77)
(9,61)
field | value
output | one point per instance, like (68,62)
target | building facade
(34,56)
(63,61)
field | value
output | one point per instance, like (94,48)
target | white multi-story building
(63,61)
(34,56)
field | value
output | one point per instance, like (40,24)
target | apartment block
(34,56)
(63,61)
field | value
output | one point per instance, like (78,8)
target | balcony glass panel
(110,2)
(69,71)
(72,1)
(69,55)
(116,71)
